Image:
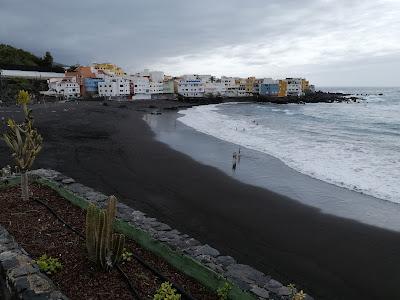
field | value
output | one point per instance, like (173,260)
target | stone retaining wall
(246,277)
(19,277)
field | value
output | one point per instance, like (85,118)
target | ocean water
(352,145)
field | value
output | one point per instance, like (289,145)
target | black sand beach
(111,149)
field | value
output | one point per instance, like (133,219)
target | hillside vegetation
(19,59)
(13,56)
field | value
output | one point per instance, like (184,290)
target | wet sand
(263,170)
(111,148)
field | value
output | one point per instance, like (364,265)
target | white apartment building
(241,87)
(270,81)
(67,87)
(144,73)
(228,82)
(114,87)
(205,78)
(141,88)
(230,85)
(232,91)
(241,91)
(294,87)
(156,87)
(191,86)
(157,76)
(214,88)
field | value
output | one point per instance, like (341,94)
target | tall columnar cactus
(24,141)
(104,247)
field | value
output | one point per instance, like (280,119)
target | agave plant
(104,247)
(24,141)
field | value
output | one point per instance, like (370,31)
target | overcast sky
(333,43)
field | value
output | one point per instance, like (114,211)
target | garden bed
(40,232)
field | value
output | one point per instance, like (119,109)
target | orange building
(250,81)
(109,68)
(81,73)
(282,88)
(305,85)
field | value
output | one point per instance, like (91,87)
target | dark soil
(39,232)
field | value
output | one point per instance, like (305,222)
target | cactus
(24,141)
(104,247)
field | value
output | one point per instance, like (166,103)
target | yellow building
(250,81)
(282,88)
(110,68)
(305,85)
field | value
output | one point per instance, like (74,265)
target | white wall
(31,74)
(294,87)
(214,88)
(191,87)
(114,86)
(66,87)
(141,85)
(156,87)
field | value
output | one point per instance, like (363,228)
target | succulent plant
(104,247)
(24,141)
(166,291)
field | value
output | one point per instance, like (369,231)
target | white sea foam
(338,143)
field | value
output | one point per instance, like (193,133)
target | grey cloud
(235,36)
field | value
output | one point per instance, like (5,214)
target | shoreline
(111,149)
(266,171)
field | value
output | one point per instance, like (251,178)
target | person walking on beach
(234,160)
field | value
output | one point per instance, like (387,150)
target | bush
(299,296)
(294,294)
(126,255)
(48,264)
(166,292)
(223,291)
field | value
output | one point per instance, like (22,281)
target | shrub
(223,291)
(166,292)
(299,296)
(6,171)
(23,98)
(48,264)
(292,290)
(294,294)
(126,255)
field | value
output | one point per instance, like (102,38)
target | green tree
(13,56)
(47,59)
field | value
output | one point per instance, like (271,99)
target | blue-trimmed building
(269,88)
(91,85)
